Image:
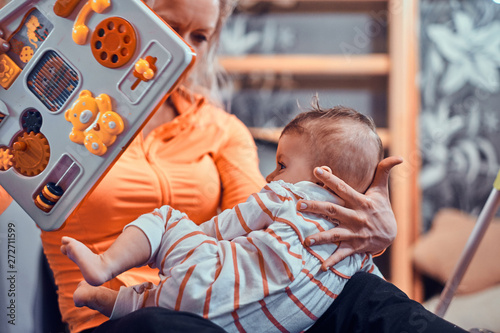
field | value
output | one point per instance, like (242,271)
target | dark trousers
(156,320)
(367,304)
(370,304)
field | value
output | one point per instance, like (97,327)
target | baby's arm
(257,213)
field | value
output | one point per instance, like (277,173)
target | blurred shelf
(247,2)
(352,65)
(273,134)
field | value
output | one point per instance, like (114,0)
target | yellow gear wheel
(31,153)
(5,159)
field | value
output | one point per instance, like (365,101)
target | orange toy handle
(80,29)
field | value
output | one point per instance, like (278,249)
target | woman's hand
(366,224)
(4,46)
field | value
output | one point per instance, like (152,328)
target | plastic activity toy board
(79,82)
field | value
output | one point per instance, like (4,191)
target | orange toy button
(9,71)
(113,42)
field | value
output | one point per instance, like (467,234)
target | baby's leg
(130,249)
(100,298)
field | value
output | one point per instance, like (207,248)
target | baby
(246,269)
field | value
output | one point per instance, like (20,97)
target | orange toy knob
(30,153)
(143,68)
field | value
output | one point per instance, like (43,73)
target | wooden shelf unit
(352,65)
(400,66)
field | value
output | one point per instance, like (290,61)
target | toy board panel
(80,81)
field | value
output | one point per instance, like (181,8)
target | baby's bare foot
(97,298)
(93,267)
(84,294)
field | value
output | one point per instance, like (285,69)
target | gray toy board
(79,82)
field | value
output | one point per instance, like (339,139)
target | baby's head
(341,139)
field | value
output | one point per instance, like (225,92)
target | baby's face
(293,160)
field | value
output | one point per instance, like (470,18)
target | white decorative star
(473,53)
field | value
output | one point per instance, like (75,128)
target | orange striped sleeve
(365,259)
(173,225)
(288,271)
(319,284)
(339,274)
(281,241)
(265,285)
(263,206)
(298,197)
(157,214)
(183,287)
(316,223)
(206,306)
(281,197)
(301,239)
(244,225)
(145,298)
(271,318)
(169,215)
(217,230)
(299,304)
(191,234)
(208,241)
(236,277)
(160,287)
(291,225)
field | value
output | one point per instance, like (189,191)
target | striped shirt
(246,269)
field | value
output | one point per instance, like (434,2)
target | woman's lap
(155,319)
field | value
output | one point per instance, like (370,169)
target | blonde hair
(209,77)
(342,139)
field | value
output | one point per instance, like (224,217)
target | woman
(198,159)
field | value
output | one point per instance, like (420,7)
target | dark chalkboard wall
(460,115)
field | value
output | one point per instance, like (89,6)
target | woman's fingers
(338,186)
(384,168)
(336,235)
(330,236)
(339,255)
(330,211)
